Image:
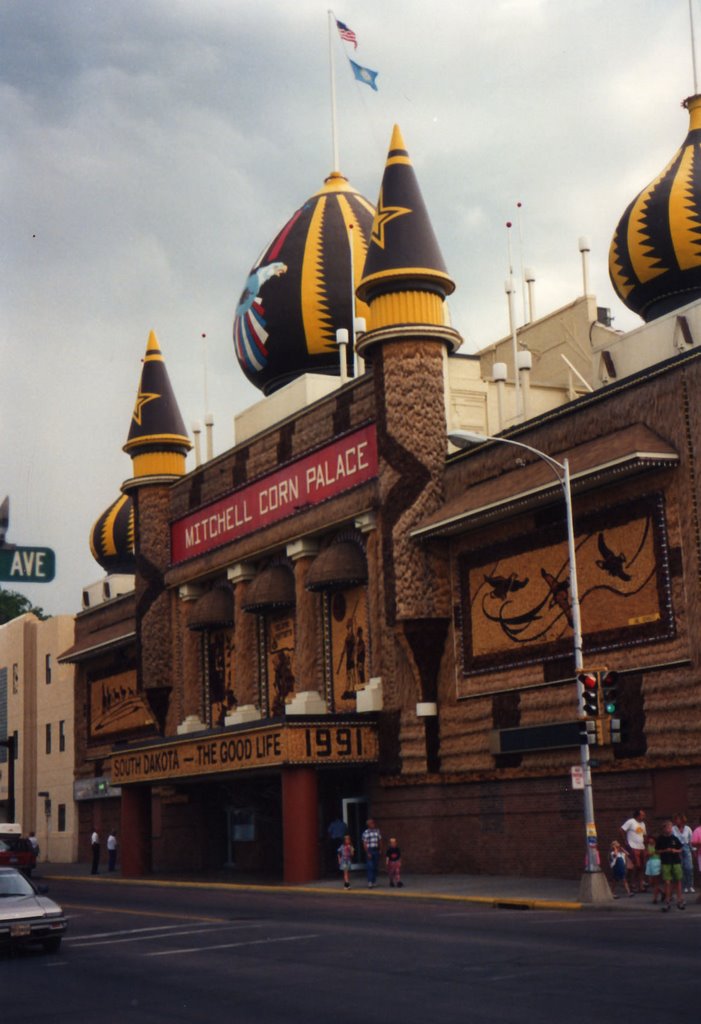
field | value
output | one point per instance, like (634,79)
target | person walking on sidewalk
(111,851)
(617,862)
(653,868)
(683,833)
(95,847)
(393,860)
(635,831)
(345,853)
(372,840)
(670,851)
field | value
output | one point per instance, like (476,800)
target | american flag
(347,34)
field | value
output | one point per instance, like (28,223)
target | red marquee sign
(315,478)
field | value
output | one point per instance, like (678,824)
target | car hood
(27,907)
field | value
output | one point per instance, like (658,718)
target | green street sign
(27,565)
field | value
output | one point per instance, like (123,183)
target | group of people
(111,851)
(663,865)
(372,846)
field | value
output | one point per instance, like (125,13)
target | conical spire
(403,253)
(655,256)
(157,442)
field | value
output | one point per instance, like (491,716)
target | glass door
(355,815)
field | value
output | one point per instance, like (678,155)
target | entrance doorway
(355,815)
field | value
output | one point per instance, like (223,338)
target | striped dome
(655,256)
(112,537)
(299,292)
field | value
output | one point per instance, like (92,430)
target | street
(146,954)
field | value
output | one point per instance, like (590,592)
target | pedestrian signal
(589,684)
(609,691)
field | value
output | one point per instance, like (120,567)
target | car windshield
(3,846)
(12,883)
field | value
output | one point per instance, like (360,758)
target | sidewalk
(491,890)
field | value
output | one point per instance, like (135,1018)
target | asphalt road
(140,955)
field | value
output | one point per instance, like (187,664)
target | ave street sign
(27,565)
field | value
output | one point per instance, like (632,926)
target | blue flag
(364,74)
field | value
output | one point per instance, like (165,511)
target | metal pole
(589,823)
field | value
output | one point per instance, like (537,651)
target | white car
(27,915)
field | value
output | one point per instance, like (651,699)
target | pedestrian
(111,851)
(683,833)
(653,868)
(95,847)
(393,860)
(335,832)
(619,870)
(634,831)
(669,848)
(696,845)
(345,854)
(35,845)
(372,840)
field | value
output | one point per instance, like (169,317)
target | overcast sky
(151,148)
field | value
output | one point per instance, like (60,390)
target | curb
(497,902)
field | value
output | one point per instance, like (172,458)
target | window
(48,737)
(48,669)
(62,735)
(15,678)
(61,823)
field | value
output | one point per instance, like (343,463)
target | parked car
(27,915)
(17,852)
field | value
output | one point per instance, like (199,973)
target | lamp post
(594,886)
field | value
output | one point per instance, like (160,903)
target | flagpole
(334,127)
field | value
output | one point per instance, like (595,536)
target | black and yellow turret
(404,281)
(157,441)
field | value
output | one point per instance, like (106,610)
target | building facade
(343,617)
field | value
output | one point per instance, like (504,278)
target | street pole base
(594,888)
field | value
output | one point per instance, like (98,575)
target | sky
(150,149)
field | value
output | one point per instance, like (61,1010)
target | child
(653,869)
(393,860)
(617,860)
(346,852)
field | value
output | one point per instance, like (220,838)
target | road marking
(232,945)
(174,930)
(144,913)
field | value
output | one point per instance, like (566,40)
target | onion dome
(112,537)
(655,255)
(300,291)
(157,442)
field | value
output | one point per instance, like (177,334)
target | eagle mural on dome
(301,289)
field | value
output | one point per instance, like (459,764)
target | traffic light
(616,730)
(609,691)
(589,684)
(590,736)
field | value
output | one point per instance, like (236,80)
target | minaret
(405,284)
(158,445)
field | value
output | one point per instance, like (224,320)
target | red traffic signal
(589,688)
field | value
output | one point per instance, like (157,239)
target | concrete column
(300,800)
(135,831)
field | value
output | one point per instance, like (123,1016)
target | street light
(595,881)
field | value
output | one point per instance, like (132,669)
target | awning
(272,588)
(338,567)
(214,610)
(623,453)
(99,641)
